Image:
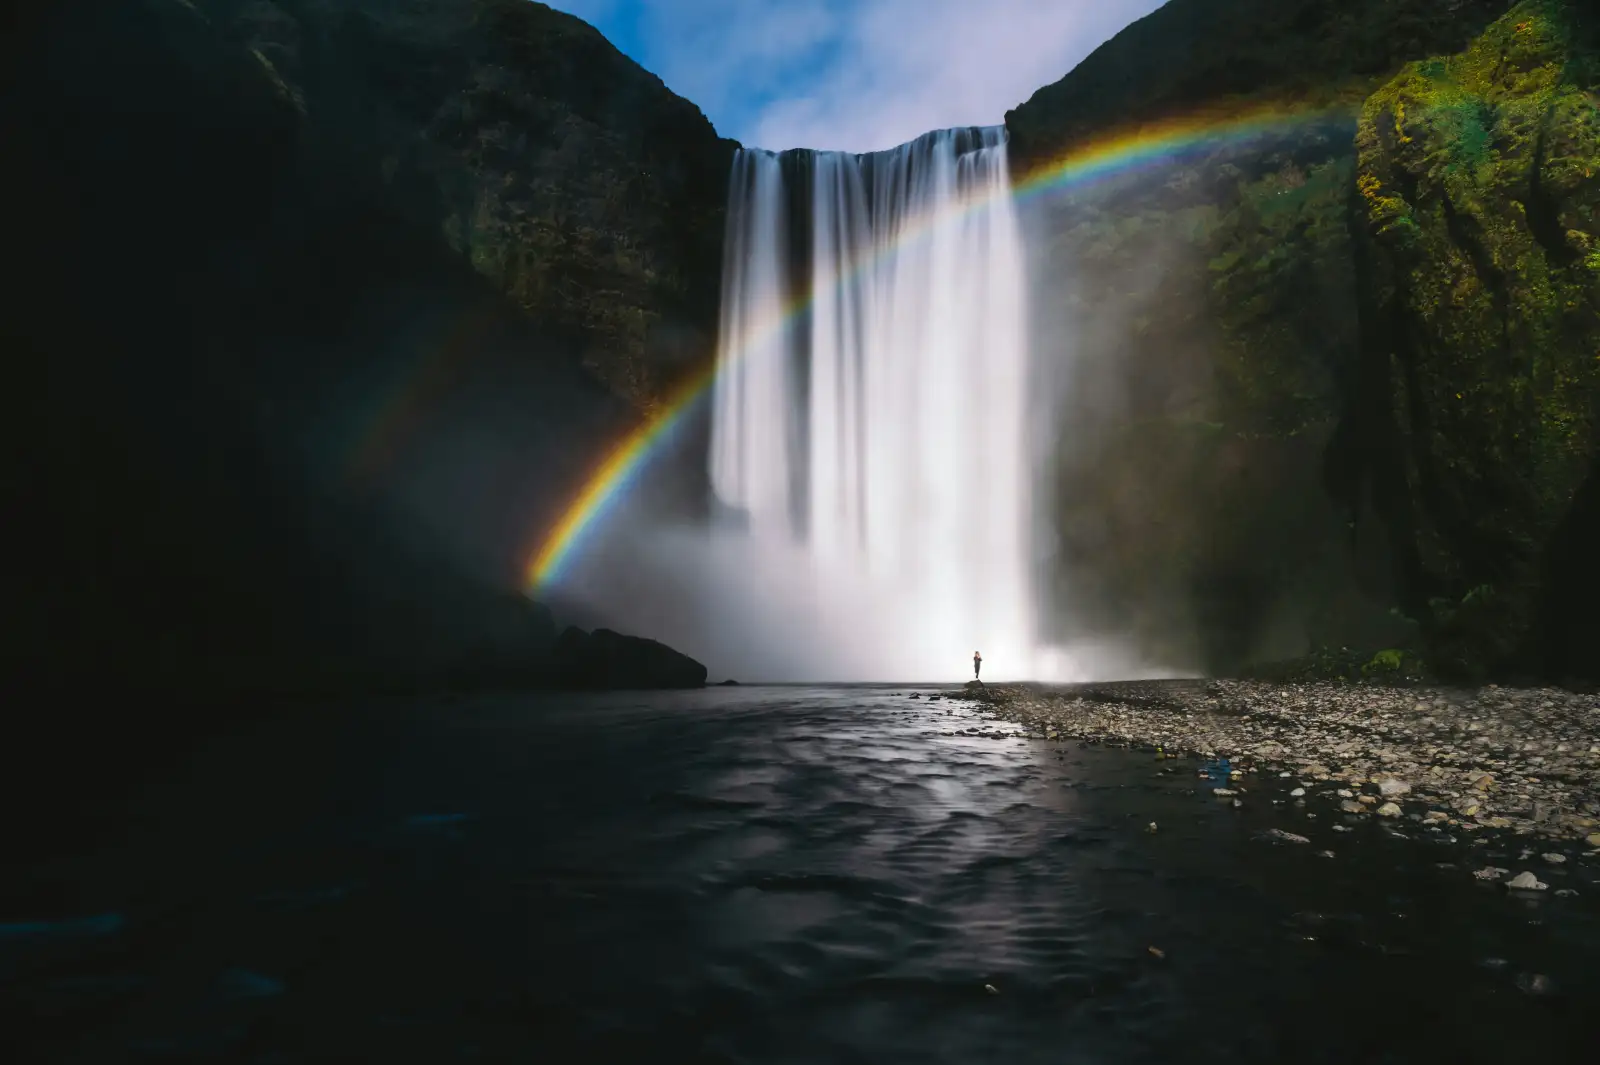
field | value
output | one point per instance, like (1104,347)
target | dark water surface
(772,875)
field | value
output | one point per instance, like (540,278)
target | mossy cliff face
(1213,324)
(1200,320)
(1191,53)
(587,192)
(1479,184)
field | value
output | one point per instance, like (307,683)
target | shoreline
(1455,766)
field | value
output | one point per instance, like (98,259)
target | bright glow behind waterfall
(876,448)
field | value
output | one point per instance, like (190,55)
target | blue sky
(856,75)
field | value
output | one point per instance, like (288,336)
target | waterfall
(868,419)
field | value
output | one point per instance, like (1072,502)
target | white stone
(1393,787)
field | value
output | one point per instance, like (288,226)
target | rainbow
(610,480)
(402,409)
(1102,159)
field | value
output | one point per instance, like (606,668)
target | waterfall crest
(868,420)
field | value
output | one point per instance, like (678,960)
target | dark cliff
(1223,326)
(570,178)
(1194,53)
(318,311)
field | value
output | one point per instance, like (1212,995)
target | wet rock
(1526,881)
(1282,836)
(1554,858)
(608,660)
(1393,787)
(1388,809)
(1534,983)
(242,983)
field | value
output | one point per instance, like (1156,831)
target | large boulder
(607,660)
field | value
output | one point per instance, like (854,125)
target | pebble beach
(1456,766)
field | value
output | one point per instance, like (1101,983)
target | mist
(1047,591)
(755,614)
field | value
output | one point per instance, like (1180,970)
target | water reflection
(771,875)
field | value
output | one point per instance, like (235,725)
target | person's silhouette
(977,664)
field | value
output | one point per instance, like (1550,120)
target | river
(761,874)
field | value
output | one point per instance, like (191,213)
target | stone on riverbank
(1464,760)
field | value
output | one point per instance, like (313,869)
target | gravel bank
(1452,763)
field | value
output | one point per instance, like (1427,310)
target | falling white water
(869,409)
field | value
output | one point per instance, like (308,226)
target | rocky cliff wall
(571,178)
(1220,331)
(317,313)
(1479,184)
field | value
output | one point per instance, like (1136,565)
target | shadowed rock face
(603,659)
(319,312)
(1222,330)
(570,178)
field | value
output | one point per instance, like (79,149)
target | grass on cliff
(1480,175)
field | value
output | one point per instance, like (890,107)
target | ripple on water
(772,877)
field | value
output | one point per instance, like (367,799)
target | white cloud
(908,66)
(856,75)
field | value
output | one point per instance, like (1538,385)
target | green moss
(1387,661)
(1346,665)
(1480,181)
(1281,255)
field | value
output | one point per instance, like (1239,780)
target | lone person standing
(977,664)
